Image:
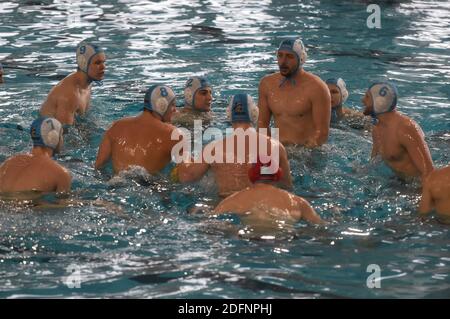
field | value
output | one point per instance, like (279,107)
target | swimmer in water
(262,201)
(436,193)
(231,171)
(73,94)
(197,102)
(339,113)
(298,100)
(396,138)
(143,140)
(37,171)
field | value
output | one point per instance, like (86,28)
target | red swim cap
(261,172)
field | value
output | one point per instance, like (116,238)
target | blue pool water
(145,244)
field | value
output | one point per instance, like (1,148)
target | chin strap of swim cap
(85,53)
(384,99)
(334,115)
(295,46)
(261,172)
(193,85)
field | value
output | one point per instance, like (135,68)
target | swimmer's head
(160,99)
(291,55)
(197,94)
(338,91)
(47,132)
(242,109)
(264,172)
(91,61)
(380,98)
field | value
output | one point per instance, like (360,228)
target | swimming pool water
(145,244)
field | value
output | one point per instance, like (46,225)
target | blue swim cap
(242,109)
(85,53)
(158,99)
(295,46)
(192,86)
(46,132)
(384,97)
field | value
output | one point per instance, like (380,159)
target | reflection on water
(146,244)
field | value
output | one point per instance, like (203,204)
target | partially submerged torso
(26,172)
(291,106)
(390,148)
(68,96)
(135,142)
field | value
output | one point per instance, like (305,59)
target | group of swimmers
(302,107)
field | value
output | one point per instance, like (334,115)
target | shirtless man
(396,138)
(232,170)
(339,113)
(436,193)
(298,100)
(197,102)
(37,171)
(73,94)
(143,140)
(262,202)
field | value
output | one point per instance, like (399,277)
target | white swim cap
(295,46)
(242,109)
(340,84)
(384,97)
(192,86)
(158,98)
(46,132)
(85,52)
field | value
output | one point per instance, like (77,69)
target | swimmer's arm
(308,213)
(413,141)
(104,152)
(191,172)
(321,113)
(264,110)
(64,181)
(426,203)
(65,110)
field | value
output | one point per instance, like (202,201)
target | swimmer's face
(203,99)
(172,109)
(287,62)
(368,103)
(336,97)
(97,67)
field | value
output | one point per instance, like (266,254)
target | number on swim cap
(163,91)
(189,82)
(82,49)
(49,121)
(383,91)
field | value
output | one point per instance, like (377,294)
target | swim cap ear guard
(384,98)
(46,132)
(158,99)
(297,47)
(192,86)
(262,172)
(85,53)
(242,109)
